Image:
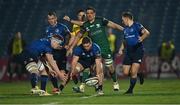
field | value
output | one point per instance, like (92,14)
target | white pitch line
(90,96)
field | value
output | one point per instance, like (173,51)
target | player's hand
(120,52)
(140,39)
(62,76)
(52,73)
(69,52)
(67,18)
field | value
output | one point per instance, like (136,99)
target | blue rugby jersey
(39,47)
(132,34)
(59,29)
(87,56)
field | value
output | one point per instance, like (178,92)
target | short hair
(52,13)
(86,40)
(128,15)
(81,10)
(91,8)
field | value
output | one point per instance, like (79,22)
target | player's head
(52,18)
(56,41)
(18,35)
(87,43)
(81,15)
(90,13)
(126,18)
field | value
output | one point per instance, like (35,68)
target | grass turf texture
(151,92)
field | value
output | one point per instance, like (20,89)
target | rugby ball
(91,81)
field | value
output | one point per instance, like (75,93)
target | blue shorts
(133,55)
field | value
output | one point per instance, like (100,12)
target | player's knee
(32,67)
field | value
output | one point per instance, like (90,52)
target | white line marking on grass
(94,95)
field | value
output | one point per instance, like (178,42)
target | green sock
(114,76)
(85,76)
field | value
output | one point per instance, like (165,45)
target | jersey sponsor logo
(98,25)
(129,36)
(92,25)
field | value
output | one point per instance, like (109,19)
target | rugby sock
(113,76)
(61,87)
(85,75)
(100,87)
(34,80)
(75,79)
(44,79)
(132,84)
(54,81)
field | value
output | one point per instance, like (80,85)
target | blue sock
(132,84)
(44,79)
(54,81)
(34,80)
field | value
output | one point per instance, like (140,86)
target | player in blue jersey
(88,55)
(56,28)
(31,57)
(134,35)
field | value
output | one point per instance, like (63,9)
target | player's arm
(76,39)
(145,34)
(122,47)
(51,61)
(73,64)
(114,26)
(67,18)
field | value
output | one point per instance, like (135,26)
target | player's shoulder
(95,46)
(137,24)
(61,25)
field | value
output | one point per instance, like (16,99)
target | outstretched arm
(54,66)
(67,18)
(115,26)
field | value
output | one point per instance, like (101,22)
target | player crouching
(88,55)
(31,57)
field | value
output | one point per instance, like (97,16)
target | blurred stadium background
(161,17)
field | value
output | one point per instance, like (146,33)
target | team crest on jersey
(47,31)
(87,29)
(83,53)
(131,29)
(57,30)
(98,25)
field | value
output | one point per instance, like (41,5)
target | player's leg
(135,59)
(133,77)
(79,68)
(108,61)
(100,75)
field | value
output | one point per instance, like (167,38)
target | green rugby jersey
(97,32)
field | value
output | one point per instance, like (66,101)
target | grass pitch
(164,91)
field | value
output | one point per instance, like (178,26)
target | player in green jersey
(96,28)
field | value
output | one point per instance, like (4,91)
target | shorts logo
(139,60)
